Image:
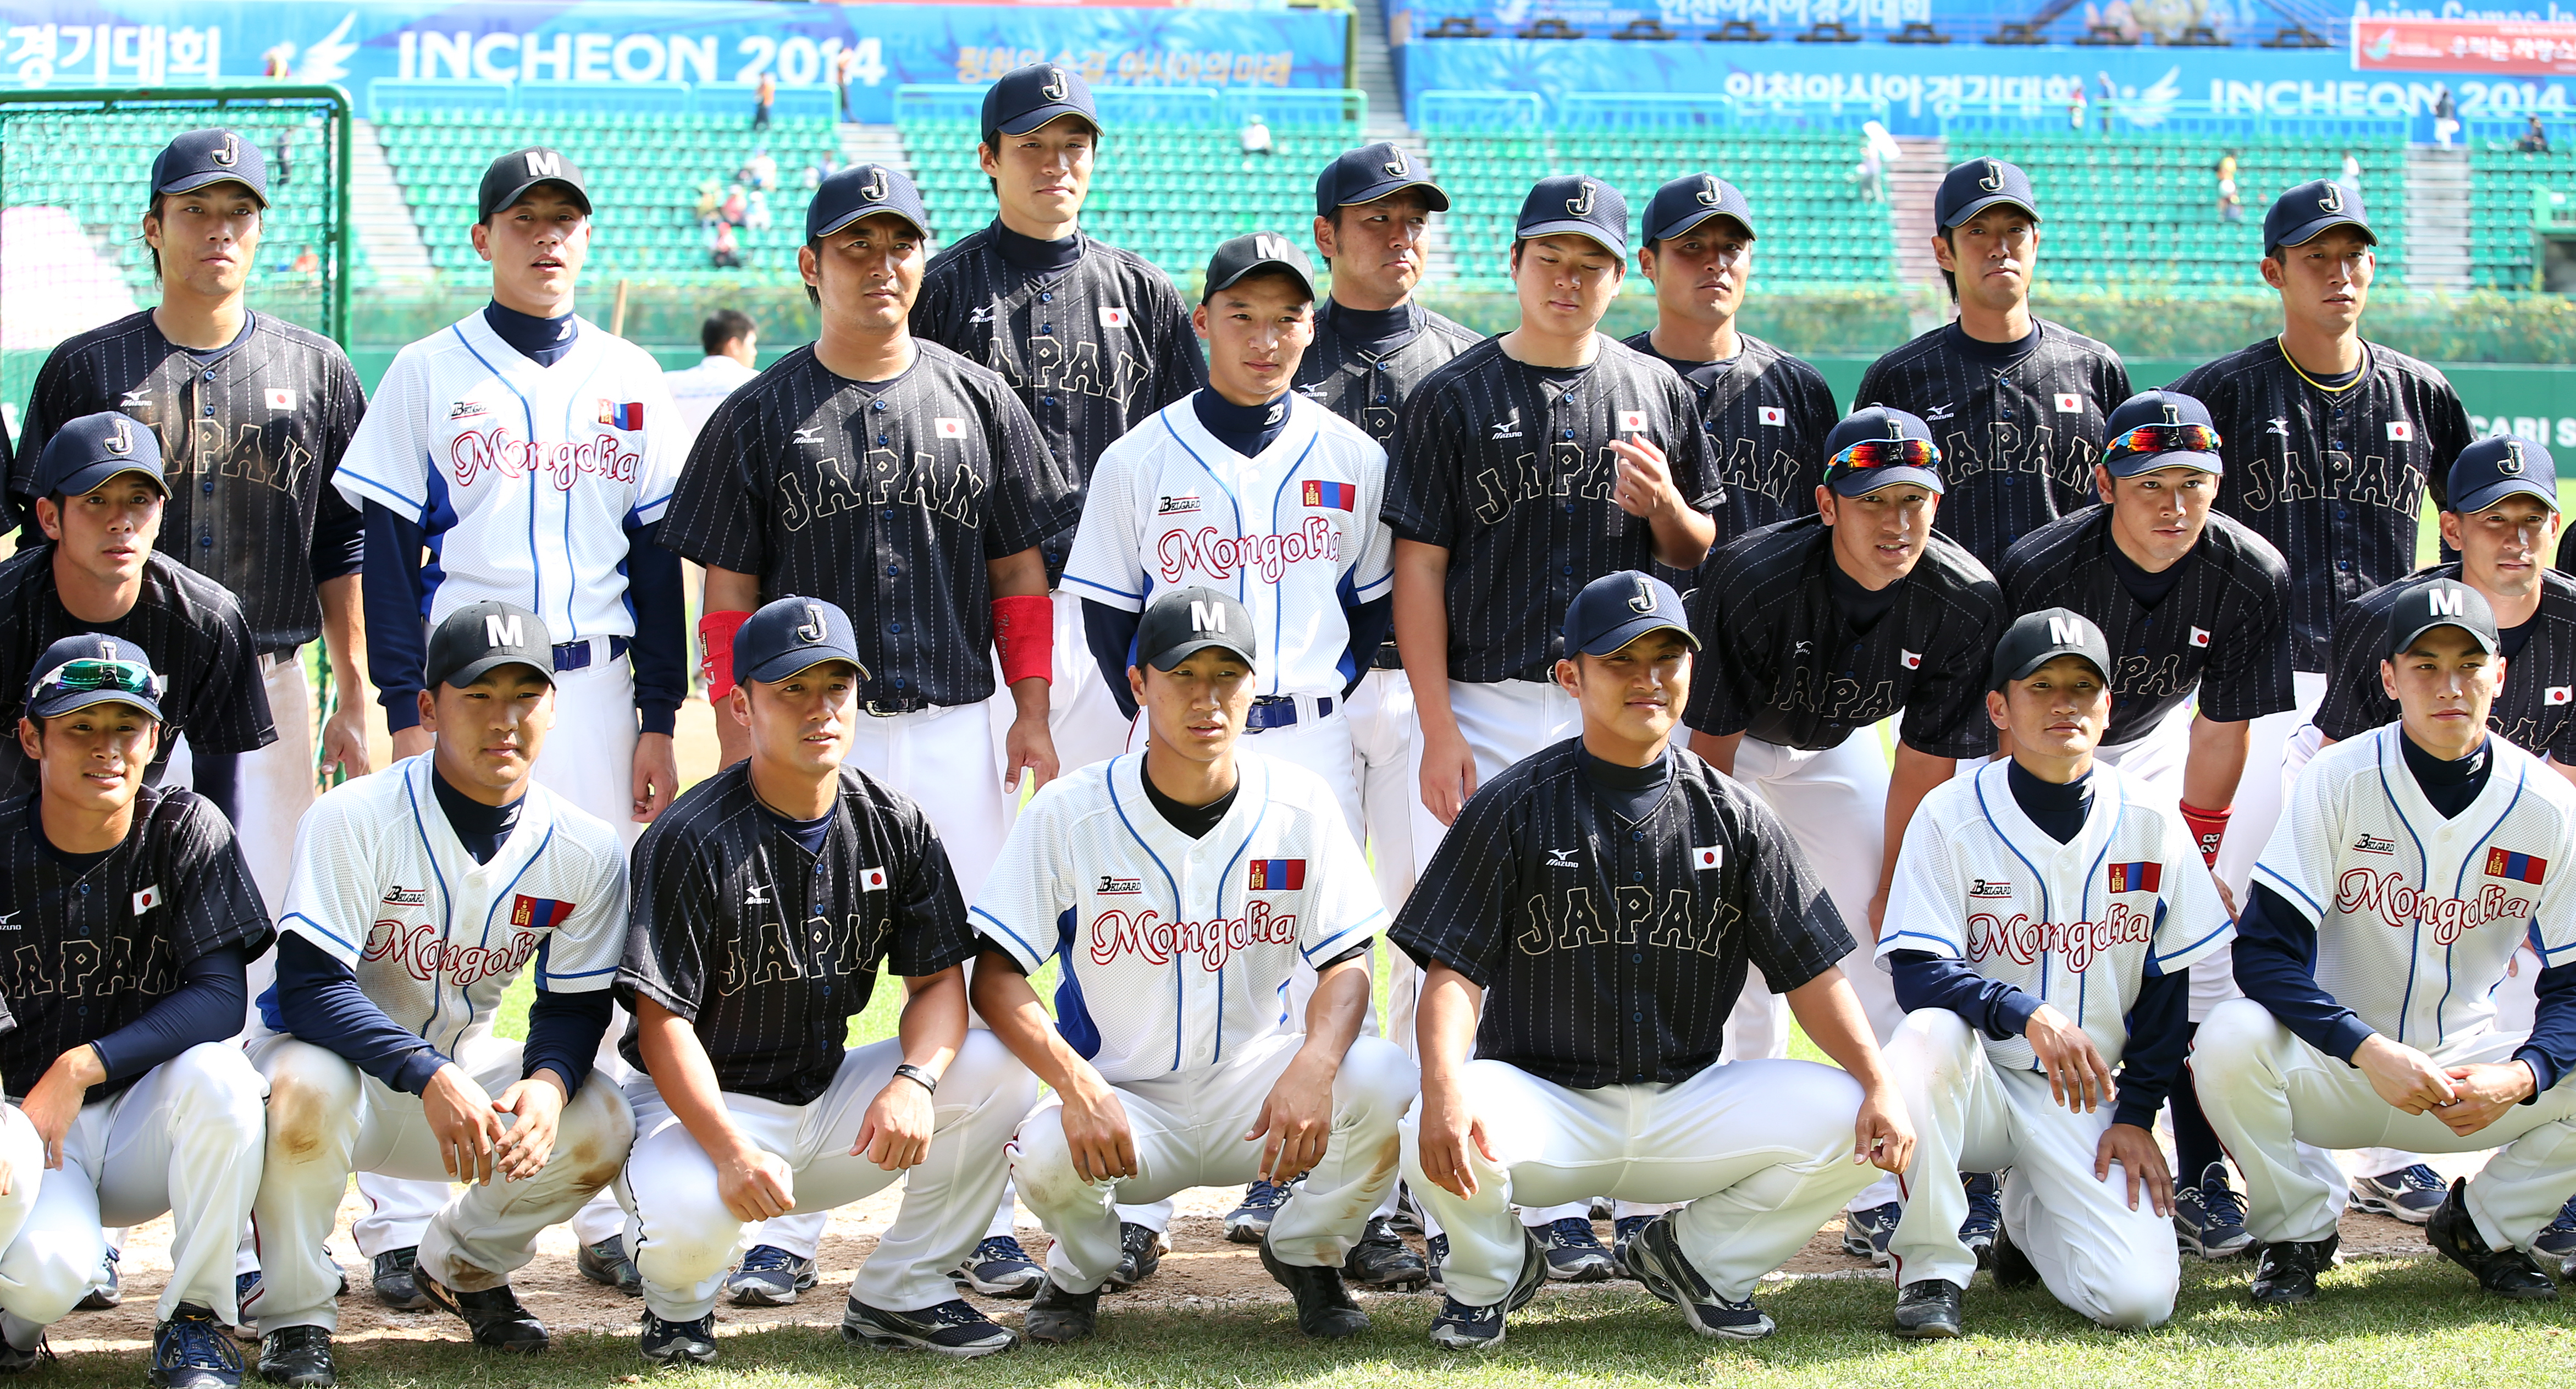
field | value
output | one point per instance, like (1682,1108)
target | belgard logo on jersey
(2373,892)
(1148,937)
(2373,844)
(1118,887)
(496,450)
(1989,887)
(2023,940)
(399,896)
(1219,556)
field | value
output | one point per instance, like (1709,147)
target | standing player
(418,897)
(1766,413)
(2017,402)
(252,415)
(2410,865)
(733,358)
(2045,914)
(1175,1065)
(1816,629)
(131,916)
(2196,610)
(1585,927)
(2330,443)
(744,969)
(1093,338)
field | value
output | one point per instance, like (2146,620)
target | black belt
(1280,711)
(895,707)
(1386,659)
(575,655)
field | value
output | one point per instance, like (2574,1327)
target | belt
(1283,711)
(894,708)
(577,655)
(1386,659)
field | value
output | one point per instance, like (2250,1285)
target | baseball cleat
(1462,1327)
(1140,1252)
(1602,1208)
(397,1286)
(2285,1271)
(1324,1307)
(14,1361)
(1866,1232)
(1574,1253)
(953,1328)
(1985,1213)
(1407,1219)
(191,1351)
(769,1277)
(1059,1318)
(2012,1268)
(2410,1194)
(1435,1252)
(2557,1240)
(1249,1222)
(298,1357)
(1623,1232)
(606,1264)
(1928,1310)
(493,1314)
(1656,1253)
(678,1342)
(999,1268)
(2209,1219)
(1381,1261)
(246,1287)
(106,1291)
(2453,1233)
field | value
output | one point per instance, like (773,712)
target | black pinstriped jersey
(1508,467)
(91,949)
(769,950)
(2333,479)
(1610,950)
(2018,443)
(2536,708)
(1766,414)
(2566,552)
(2223,630)
(250,436)
(1093,350)
(1779,661)
(1370,391)
(191,629)
(885,498)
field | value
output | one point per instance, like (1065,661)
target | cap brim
(1039,118)
(1675,228)
(1439,201)
(1173,655)
(2485,642)
(1872,479)
(474,670)
(1988,201)
(2032,666)
(191,183)
(2306,232)
(71,701)
(797,662)
(2131,465)
(2495,492)
(865,213)
(512,199)
(1590,231)
(1633,628)
(97,475)
(1216,287)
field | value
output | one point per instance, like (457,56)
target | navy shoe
(1574,1253)
(246,1288)
(1985,1214)
(953,1328)
(191,1351)
(1667,1273)
(2410,1194)
(999,1268)
(2558,1240)
(678,1342)
(1462,1327)
(2209,1218)
(1866,1232)
(1250,1221)
(769,1277)
(1624,1233)
(106,1292)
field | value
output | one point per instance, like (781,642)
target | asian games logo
(498,451)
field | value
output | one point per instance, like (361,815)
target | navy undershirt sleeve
(654,586)
(1925,980)
(1369,624)
(1111,635)
(2159,1034)
(396,596)
(217,777)
(2276,966)
(207,1007)
(339,546)
(563,1034)
(319,1001)
(2551,1048)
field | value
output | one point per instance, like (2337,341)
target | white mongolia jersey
(525,477)
(1294,533)
(383,885)
(2416,915)
(1177,952)
(2080,926)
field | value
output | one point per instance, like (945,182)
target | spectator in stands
(816,172)
(760,171)
(2075,107)
(282,168)
(732,345)
(2230,208)
(763,97)
(755,216)
(278,61)
(710,205)
(2535,138)
(1256,139)
(845,64)
(306,263)
(2351,172)
(724,251)
(736,206)
(2446,116)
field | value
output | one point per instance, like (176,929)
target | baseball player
(419,895)
(131,916)
(2330,442)
(1180,887)
(733,358)
(252,415)
(1813,631)
(2045,913)
(765,902)
(1766,413)
(2412,862)
(2195,607)
(2016,402)
(1585,926)
(1094,338)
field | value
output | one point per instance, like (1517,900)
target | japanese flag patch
(1773,414)
(948,427)
(2558,694)
(1913,659)
(1632,421)
(2401,431)
(1707,858)
(2200,636)
(2069,403)
(281,400)
(147,899)
(1112,317)
(872,880)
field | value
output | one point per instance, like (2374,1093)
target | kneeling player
(131,916)
(2411,863)
(418,894)
(1598,904)
(1181,886)
(2046,875)
(765,900)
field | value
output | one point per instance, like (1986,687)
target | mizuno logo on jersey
(8,921)
(1707,858)
(468,410)
(2371,892)
(756,895)
(150,897)
(2023,940)
(2069,403)
(1147,937)
(1941,411)
(1561,858)
(1118,887)
(1773,414)
(983,313)
(2200,636)
(1337,496)
(538,913)
(2401,431)
(2558,694)
(948,427)
(872,880)
(2373,844)
(1912,660)
(1989,887)
(809,434)
(628,415)
(2521,868)
(2279,424)
(1178,506)
(280,400)
(2135,877)
(1510,427)
(396,895)
(1278,874)
(134,400)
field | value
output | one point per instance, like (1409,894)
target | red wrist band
(715,638)
(1024,637)
(2208,827)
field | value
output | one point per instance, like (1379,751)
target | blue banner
(1965,21)
(600,46)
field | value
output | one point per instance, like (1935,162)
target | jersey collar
(2101,819)
(1293,441)
(499,355)
(536,822)
(2504,783)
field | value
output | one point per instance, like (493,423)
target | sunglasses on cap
(91,673)
(2163,438)
(1886,453)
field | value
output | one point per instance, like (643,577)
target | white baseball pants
(1382,737)
(328,1119)
(2270,1091)
(2097,1256)
(1189,1131)
(1502,722)
(589,756)
(277,787)
(683,1239)
(2158,756)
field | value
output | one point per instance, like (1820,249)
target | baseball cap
(2035,639)
(2320,205)
(202,158)
(1620,607)
(2441,603)
(792,634)
(511,176)
(1181,622)
(1877,447)
(2491,470)
(470,642)
(85,669)
(1692,199)
(1577,204)
(1249,255)
(1371,172)
(846,195)
(85,453)
(1028,97)
(2160,429)
(1972,187)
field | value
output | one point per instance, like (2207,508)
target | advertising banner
(2535,47)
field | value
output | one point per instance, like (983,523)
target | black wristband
(918,1076)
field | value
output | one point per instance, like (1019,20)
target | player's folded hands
(2404,1077)
(1097,1132)
(895,1133)
(2480,1094)
(466,1124)
(1298,1117)
(2078,1077)
(537,1103)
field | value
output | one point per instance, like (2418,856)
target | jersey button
(889,514)
(893,570)
(894,626)
(210,487)
(1046,298)
(1569,569)
(1046,327)
(1636,834)
(2343,564)
(898,684)
(1639,1017)
(84,891)
(1568,434)
(205,542)
(876,405)
(1636,876)
(881,439)
(1048,399)
(1381,400)
(1636,959)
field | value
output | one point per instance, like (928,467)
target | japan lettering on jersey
(2417,916)
(1294,534)
(1177,952)
(2080,925)
(526,476)
(383,885)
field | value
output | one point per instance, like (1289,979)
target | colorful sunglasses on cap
(1886,453)
(2163,438)
(91,674)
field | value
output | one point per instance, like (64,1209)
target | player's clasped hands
(538,1104)
(465,1122)
(2406,1078)
(2480,1094)
(1298,1117)
(895,1134)
(2078,1077)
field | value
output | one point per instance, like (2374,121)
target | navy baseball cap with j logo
(79,671)
(863,190)
(203,158)
(85,453)
(794,634)
(1620,607)
(1028,97)
(2312,209)
(1574,203)
(1371,172)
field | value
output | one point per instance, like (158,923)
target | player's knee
(597,1131)
(988,1079)
(1377,1080)
(1042,1167)
(220,1092)
(50,1268)
(2136,1299)
(2226,1052)
(313,1099)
